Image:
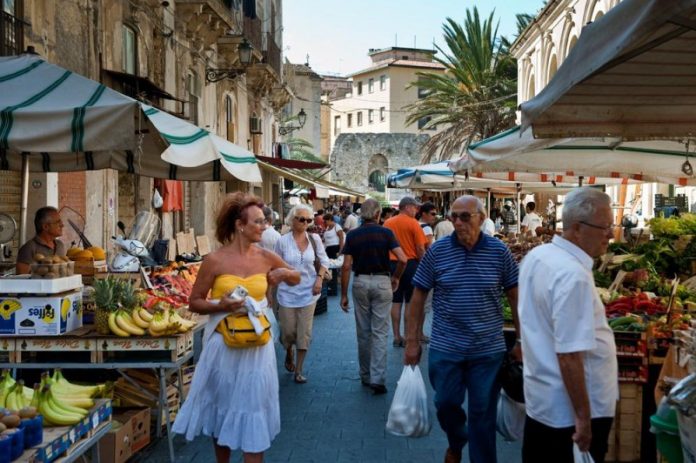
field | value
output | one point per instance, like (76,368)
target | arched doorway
(377,173)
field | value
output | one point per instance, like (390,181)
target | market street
(333,417)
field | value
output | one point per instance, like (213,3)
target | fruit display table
(165,355)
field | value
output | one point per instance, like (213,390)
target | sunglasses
(303,220)
(463,216)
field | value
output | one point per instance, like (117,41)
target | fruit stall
(140,330)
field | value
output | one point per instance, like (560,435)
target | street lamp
(301,118)
(244,49)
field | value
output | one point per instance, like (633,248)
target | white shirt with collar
(350,223)
(560,312)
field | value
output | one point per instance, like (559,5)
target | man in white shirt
(570,368)
(444,228)
(531,220)
(270,236)
(350,220)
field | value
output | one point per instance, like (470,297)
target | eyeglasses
(303,220)
(598,227)
(59,223)
(463,216)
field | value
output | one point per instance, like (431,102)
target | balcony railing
(272,53)
(252,32)
(11,34)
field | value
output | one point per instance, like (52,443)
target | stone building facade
(362,161)
(161,53)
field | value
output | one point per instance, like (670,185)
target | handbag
(317,262)
(238,332)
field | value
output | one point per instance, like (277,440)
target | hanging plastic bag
(408,414)
(157,200)
(511,417)
(581,457)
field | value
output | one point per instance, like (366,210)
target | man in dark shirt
(366,252)
(49,227)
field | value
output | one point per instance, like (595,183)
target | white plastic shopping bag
(408,414)
(581,457)
(511,416)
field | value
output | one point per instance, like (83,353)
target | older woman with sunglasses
(297,303)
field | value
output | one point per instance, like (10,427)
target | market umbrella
(71,123)
(630,75)
(521,157)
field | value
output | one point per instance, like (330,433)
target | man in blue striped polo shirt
(468,273)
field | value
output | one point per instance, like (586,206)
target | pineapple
(129,298)
(106,302)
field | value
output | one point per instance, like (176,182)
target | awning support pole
(488,203)
(25,199)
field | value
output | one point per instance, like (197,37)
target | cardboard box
(140,423)
(115,446)
(50,315)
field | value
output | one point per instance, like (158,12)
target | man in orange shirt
(412,240)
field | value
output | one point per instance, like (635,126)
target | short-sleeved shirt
(443,229)
(532,221)
(561,312)
(300,295)
(269,238)
(26,253)
(408,233)
(369,246)
(467,287)
(350,222)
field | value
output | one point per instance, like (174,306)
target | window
(423,121)
(194,90)
(337,125)
(371,86)
(349,123)
(370,116)
(359,118)
(359,88)
(129,50)
(382,114)
(422,92)
(382,82)
(230,118)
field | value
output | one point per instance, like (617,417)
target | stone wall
(354,153)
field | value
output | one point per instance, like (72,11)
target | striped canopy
(517,156)
(74,124)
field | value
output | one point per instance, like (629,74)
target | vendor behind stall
(49,227)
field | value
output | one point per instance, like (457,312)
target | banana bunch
(57,411)
(123,323)
(167,322)
(139,322)
(7,382)
(16,400)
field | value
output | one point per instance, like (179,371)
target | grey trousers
(372,296)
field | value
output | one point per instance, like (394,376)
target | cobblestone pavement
(333,418)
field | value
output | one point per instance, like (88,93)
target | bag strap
(317,262)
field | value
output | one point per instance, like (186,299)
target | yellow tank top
(256,285)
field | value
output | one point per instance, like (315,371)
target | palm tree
(475,97)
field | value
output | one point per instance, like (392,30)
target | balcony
(272,53)
(253,33)
(11,34)
(205,21)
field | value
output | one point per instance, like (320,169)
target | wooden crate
(89,268)
(163,348)
(53,348)
(625,435)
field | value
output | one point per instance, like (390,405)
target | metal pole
(488,205)
(519,220)
(25,199)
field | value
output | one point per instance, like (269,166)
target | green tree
(475,97)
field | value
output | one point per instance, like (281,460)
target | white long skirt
(233,397)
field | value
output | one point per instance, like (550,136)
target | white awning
(323,188)
(631,75)
(517,155)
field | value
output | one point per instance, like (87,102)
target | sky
(337,34)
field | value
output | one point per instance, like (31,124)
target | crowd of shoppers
(570,371)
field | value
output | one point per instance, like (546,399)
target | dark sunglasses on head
(303,220)
(463,216)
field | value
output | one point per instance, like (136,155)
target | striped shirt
(467,312)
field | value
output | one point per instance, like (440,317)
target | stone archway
(377,169)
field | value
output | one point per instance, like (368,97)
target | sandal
(299,379)
(289,365)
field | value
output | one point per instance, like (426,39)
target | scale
(8,229)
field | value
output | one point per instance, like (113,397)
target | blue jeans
(452,376)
